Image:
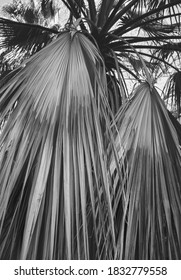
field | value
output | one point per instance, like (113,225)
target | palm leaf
(23,34)
(48,8)
(55,197)
(22,40)
(176,125)
(173,92)
(77,10)
(148,226)
(104,11)
(92,9)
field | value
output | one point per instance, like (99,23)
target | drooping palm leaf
(173,92)
(149,223)
(176,125)
(54,185)
(66,191)
(24,36)
(18,41)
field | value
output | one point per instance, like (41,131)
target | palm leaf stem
(116,17)
(154,57)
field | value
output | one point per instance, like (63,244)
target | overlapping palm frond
(89,170)
(172,93)
(18,41)
(149,224)
(176,125)
(28,32)
(110,25)
(113,24)
(159,3)
(24,36)
(55,196)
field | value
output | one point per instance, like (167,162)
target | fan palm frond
(149,226)
(173,92)
(176,125)
(23,35)
(87,169)
(19,40)
(55,196)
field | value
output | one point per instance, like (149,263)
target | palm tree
(89,170)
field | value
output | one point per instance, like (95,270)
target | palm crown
(89,170)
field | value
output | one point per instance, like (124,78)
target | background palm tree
(22,43)
(89,170)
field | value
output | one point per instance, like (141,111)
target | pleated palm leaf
(172,93)
(55,199)
(149,223)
